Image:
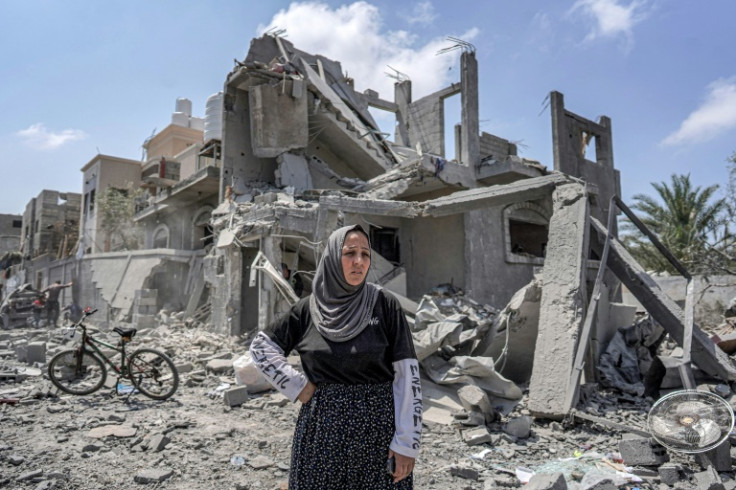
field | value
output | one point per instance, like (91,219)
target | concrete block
(236,396)
(219,366)
(464,472)
(719,457)
(708,480)
(184,367)
(146,293)
(36,352)
(158,442)
(519,427)
(543,481)
(670,473)
(152,475)
(474,399)
(641,451)
(21,351)
(476,436)
(146,301)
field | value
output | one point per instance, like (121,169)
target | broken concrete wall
(489,277)
(571,135)
(223,273)
(495,147)
(239,163)
(712,295)
(426,119)
(435,253)
(278,117)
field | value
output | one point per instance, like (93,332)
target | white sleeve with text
(270,360)
(407,408)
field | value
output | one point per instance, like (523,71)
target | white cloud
(611,19)
(715,115)
(423,13)
(355,36)
(38,137)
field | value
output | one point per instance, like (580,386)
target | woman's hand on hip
(306,394)
(404,465)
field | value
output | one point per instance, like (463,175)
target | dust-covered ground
(195,441)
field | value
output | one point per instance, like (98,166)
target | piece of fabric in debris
(478,371)
(619,365)
(340,311)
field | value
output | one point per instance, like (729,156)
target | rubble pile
(215,434)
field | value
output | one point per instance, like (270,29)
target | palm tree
(685,222)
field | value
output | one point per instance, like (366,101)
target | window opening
(385,241)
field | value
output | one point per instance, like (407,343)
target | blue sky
(82,77)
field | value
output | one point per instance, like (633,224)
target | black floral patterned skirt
(342,439)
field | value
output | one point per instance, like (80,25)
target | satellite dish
(690,421)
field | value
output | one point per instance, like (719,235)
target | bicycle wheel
(77,376)
(153,373)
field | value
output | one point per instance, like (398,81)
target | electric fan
(690,421)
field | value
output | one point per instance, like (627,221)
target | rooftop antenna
(398,76)
(145,144)
(275,31)
(465,46)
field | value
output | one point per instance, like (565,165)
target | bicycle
(81,371)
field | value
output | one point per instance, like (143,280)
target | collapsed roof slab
(373,207)
(363,134)
(523,190)
(562,306)
(705,353)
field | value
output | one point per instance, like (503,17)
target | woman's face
(356,258)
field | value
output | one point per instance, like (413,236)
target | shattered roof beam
(376,207)
(522,190)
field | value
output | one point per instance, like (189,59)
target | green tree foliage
(116,208)
(688,220)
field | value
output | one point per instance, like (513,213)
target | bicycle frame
(88,340)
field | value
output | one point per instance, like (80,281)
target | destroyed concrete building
(302,154)
(11,226)
(51,225)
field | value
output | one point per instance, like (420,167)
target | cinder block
(36,352)
(146,293)
(236,396)
(146,301)
(476,436)
(670,473)
(641,451)
(21,351)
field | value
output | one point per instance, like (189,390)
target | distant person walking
(38,307)
(52,301)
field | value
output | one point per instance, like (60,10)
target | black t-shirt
(365,359)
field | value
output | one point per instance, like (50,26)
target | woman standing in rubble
(361,417)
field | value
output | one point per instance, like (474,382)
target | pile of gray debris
(479,431)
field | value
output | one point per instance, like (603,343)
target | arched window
(526,230)
(161,236)
(202,234)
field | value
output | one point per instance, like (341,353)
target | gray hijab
(339,311)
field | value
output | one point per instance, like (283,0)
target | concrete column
(470,141)
(402,98)
(562,306)
(564,159)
